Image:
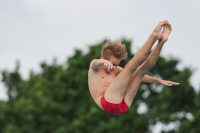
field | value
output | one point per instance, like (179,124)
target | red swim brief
(112,108)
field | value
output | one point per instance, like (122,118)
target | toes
(164,22)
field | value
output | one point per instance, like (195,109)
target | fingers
(175,83)
(170,83)
(108,65)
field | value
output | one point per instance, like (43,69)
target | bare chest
(106,78)
(101,78)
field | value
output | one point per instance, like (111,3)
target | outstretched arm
(149,79)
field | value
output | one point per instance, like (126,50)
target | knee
(139,59)
(144,68)
(147,65)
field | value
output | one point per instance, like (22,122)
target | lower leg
(145,67)
(140,72)
(143,52)
(153,57)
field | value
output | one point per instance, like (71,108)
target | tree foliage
(57,99)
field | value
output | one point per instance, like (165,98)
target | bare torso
(99,80)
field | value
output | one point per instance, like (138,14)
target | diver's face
(115,61)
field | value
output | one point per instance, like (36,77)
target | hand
(168,83)
(108,65)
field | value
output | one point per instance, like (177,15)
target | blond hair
(117,49)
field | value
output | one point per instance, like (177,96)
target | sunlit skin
(106,77)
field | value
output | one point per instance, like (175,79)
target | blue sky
(33,31)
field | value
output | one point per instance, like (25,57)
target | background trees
(57,100)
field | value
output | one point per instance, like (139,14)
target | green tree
(57,99)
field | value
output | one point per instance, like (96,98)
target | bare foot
(157,31)
(166,31)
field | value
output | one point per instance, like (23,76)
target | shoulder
(95,64)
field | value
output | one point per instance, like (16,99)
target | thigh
(133,86)
(116,90)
